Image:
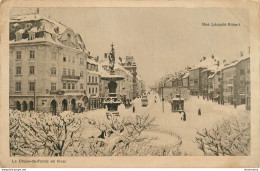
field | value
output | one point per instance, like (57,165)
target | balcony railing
(67,91)
(70,77)
(92,83)
(230,85)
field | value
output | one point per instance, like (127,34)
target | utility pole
(34,92)
(162,99)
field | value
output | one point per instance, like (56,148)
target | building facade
(47,65)
(235,81)
(185,80)
(130,65)
(195,81)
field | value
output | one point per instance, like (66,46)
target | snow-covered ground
(211,113)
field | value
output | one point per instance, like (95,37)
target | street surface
(211,114)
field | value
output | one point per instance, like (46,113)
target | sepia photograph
(138,81)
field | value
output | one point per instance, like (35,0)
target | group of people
(183,118)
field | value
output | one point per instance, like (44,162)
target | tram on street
(144,101)
(177,103)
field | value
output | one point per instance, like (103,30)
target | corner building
(48,65)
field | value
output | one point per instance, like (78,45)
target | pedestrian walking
(133,108)
(199,112)
(184,116)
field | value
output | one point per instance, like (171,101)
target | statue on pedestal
(111,58)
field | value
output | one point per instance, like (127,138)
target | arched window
(53,71)
(69,36)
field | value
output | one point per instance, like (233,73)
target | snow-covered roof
(168,80)
(38,23)
(208,62)
(35,17)
(91,61)
(212,75)
(102,71)
(118,66)
(34,29)
(235,62)
(139,77)
(93,72)
(21,31)
(186,75)
(212,68)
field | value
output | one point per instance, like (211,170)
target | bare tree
(42,134)
(124,138)
(230,138)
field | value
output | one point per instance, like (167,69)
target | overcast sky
(162,40)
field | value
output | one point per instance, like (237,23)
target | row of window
(19,70)
(53,56)
(93,90)
(70,72)
(69,59)
(19,54)
(18,86)
(92,67)
(93,80)
(70,86)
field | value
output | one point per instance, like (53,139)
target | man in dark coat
(184,116)
(199,112)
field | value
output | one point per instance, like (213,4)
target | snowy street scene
(129,82)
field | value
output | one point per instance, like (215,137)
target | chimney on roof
(200,60)
(97,59)
(38,11)
(224,61)
(241,53)
(204,58)
(217,62)
(212,56)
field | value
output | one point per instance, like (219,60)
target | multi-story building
(248,85)
(214,85)
(199,75)
(195,81)
(130,65)
(234,81)
(185,80)
(139,85)
(143,86)
(125,86)
(47,65)
(92,84)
